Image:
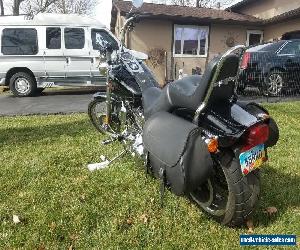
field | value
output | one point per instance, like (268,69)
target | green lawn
(44,180)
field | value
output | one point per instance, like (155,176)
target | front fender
(100,96)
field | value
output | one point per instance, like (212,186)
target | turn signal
(212,145)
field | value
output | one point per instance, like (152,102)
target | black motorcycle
(194,134)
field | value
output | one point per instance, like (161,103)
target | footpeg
(106,142)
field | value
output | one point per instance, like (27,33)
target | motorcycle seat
(187,92)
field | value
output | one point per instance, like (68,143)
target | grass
(44,180)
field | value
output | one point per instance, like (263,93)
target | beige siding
(219,33)
(276,31)
(266,9)
(149,35)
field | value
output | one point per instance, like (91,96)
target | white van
(50,50)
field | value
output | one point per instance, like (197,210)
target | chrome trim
(2,81)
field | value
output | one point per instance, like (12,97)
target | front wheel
(97,112)
(22,84)
(228,196)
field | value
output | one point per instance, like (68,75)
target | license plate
(252,159)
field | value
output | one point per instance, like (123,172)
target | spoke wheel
(275,84)
(98,116)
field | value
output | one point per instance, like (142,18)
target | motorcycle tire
(242,194)
(97,118)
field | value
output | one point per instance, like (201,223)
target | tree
(75,6)
(2,8)
(32,7)
(16,7)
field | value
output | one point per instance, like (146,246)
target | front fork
(108,100)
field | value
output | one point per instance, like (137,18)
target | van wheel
(22,84)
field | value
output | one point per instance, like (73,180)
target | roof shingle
(186,12)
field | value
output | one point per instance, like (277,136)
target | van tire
(22,84)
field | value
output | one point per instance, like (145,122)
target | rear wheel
(22,84)
(228,196)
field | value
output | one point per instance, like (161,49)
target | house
(280,18)
(178,38)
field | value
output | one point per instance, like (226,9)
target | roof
(240,4)
(50,20)
(285,16)
(191,13)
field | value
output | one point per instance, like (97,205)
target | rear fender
(260,112)
(101,96)
(227,121)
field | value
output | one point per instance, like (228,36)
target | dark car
(272,67)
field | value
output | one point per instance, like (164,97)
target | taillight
(245,60)
(255,135)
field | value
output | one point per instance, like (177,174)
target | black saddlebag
(176,152)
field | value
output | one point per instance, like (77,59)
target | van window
(74,38)
(19,41)
(103,37)
(53,38)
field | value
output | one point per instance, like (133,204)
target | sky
(102,12)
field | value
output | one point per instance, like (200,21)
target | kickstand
(117,157)
(162,177)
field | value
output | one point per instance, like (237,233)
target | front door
(77,55)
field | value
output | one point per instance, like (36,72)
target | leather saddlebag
(176,152)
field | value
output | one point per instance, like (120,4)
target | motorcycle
(193,134)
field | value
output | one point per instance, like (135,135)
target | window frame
(84,37)
(206,28)
(254,32)
(26,28)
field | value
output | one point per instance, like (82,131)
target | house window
(190,41)
(254,37)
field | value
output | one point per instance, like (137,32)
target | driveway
(50,102)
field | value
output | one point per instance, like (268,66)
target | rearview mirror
(137,3)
